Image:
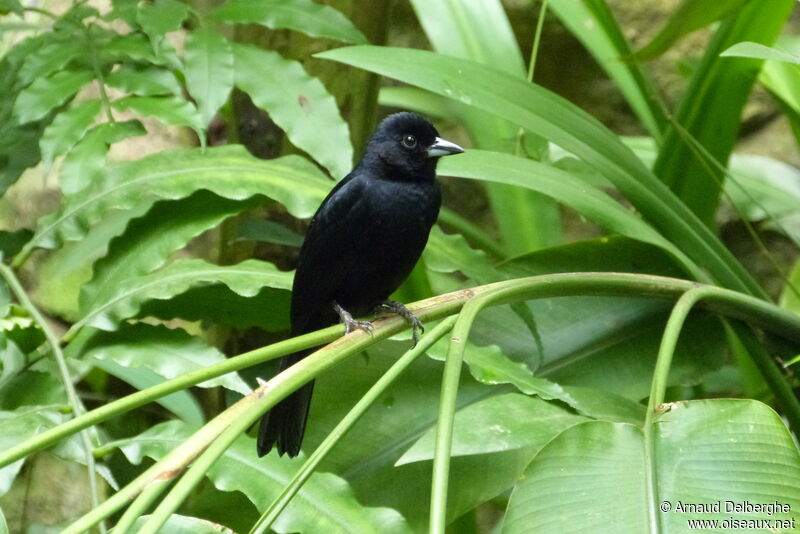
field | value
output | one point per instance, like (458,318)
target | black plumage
(361,245)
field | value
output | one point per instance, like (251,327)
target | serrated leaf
(171,110)
(162,16)
(135,46)
(45,94)
(149,240)
(6,7)
(304,16)
(230,172)
(325,504)
(18,426)
(208,67)
(86,160)
(50,58)
(67,129)
(181,403)
(144,81)
(246,279)
(298,103)
(167,352)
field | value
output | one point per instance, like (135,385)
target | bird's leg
(349,323)
(400,309)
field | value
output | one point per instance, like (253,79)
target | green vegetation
(564,384)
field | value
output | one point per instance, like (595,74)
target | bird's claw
(350,323)
(416,325)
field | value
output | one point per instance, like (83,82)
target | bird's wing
(327,254)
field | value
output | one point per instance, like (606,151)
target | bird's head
(408,146)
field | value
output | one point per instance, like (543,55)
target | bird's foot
(350,323)
(399,308)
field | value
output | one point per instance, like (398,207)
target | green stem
(537,37)
(660,376)
(300,477)
(101,80)
(138,507)
(66,378)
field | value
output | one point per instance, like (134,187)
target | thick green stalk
(663,364)
(726,302)
(319,454)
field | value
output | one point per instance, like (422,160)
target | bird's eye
(409,141)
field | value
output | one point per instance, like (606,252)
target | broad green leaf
(150,240)
(554,118)
(136,46)
(304,16)
(703,452)
(161,16)
(691,15)
(592,203)
(229,172)
(30,387)
(789,299)
(67,129)
(180,403)
(268,232)
(45,94)
(325,504)
(246,279)
(167,352)
(217,304)
(50,58)
(298,103)
(499,423)
(6,7)
(87,159)
(208,67)
(18,426)
(593,24)
(760,51)
(711,108)
(144,81)
(480,31)
(182,524)
(171,110)
(414,99)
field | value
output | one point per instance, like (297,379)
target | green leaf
(144,81)
(6,7)
(67,129)
(760,51)
(703,452)
(45,94)
(135,46)
(268,232)
(171,110)
(298,103)
(593,23)
(167,352)
(325,504)
(690,16)
(18,426)
(480,31)
(149,240)
(161,16)
(554,118)
(208,67)
(182,524)
(246,279)
(230,172)
(52,57)
(181,403)
(304,16)
(87,159)
(496,424)
(711,109)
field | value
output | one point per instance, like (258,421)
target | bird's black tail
(285,423)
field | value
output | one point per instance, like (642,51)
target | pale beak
(442,147)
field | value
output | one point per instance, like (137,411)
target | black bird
(362,243)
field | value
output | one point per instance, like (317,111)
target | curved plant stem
(537,38)
(66,378)
(138,506)
(730,303)
(663,364)
(300,477)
